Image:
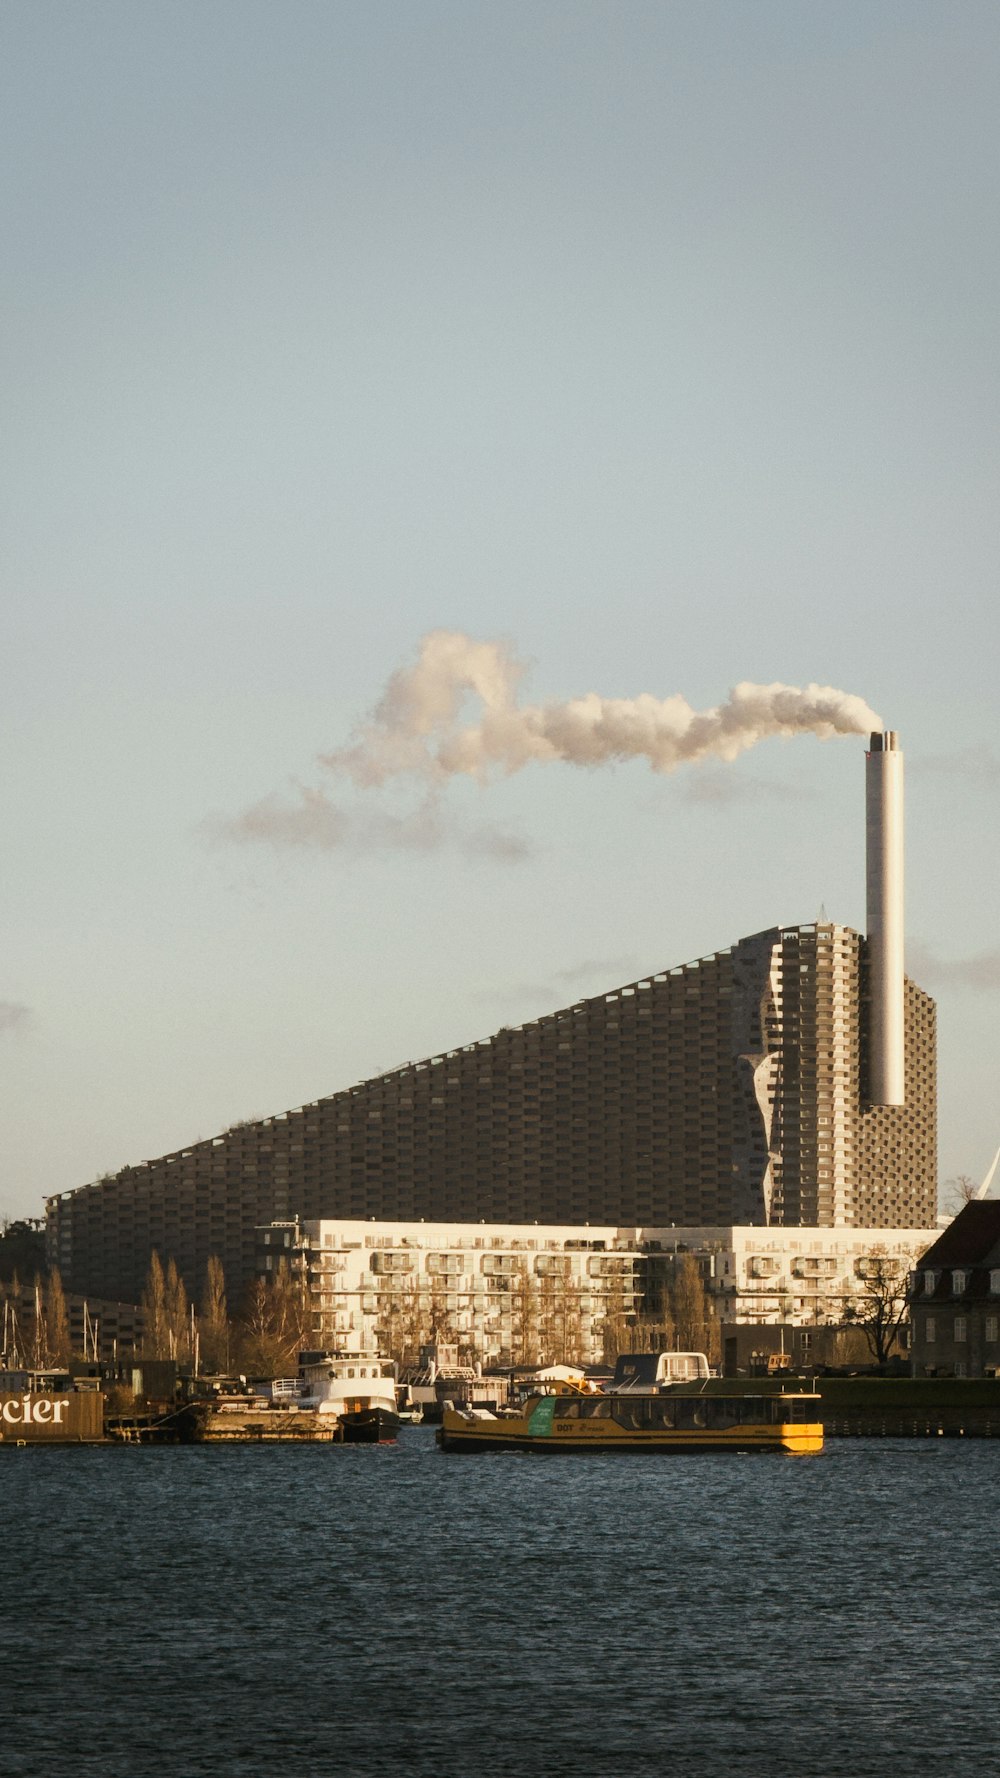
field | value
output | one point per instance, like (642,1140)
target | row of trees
(34,1332)
(263,1339)
(543,1319)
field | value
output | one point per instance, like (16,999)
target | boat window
(804,1409)
(662,1414)
(725,1412)
(595,1408)
(568,1410)
(764,1410)
(642,1413)
(691,1411)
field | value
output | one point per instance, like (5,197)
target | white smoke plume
(419,726)
(456,712)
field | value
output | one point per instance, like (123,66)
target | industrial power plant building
(789,1079)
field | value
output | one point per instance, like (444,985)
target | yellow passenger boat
(681,1417)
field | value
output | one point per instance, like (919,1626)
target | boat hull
(794,1440)
(675,1421)
(369,1426)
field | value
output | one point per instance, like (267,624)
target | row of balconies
(499,1265)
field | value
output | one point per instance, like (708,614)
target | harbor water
(289,1612)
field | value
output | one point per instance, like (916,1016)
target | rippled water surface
(261,1613)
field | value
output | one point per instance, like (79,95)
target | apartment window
(960,1329)
(930,1280)
(995,1283)
(991,1330)
(930,1330)
(959,1280)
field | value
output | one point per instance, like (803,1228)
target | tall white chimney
(884,872)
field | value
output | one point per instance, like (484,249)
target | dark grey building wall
(694,1096)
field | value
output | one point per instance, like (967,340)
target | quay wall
(890,1407)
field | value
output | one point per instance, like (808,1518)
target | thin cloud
(715,788)
(620,969)
(978,765)
(15,1017)
(593,973)
(309,821)
(980,973)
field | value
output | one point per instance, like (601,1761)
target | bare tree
(156,1338)
(653,1333)
(618,1327)
(255,1342)
(959,1191)
(439,1318)
(880,1307)
(40,1344)
(176,1311)
(275,1324)
(56,1319)
(213,1324)
(561,1319)
(400,1322)
(696,1325)
(526,1316)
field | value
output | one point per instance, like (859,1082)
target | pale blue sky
(658,339)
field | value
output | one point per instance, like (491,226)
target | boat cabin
(644,1373)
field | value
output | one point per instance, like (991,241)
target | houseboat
(358,1387)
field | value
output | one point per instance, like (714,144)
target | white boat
(359,1387)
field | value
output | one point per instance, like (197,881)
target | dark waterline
(257,1613)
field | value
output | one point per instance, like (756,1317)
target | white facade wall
(801,1276)
(476,1273)
(360,1272)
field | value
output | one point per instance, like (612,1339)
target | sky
(654,343)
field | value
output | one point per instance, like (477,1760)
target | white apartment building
(803,1277)
(532,1293)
